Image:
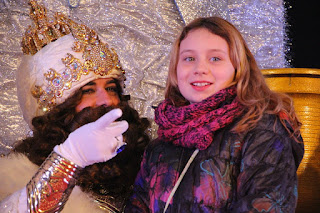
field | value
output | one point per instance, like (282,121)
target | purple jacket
(252,173)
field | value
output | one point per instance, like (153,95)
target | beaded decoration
(98,57)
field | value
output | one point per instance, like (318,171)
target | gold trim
(50,188)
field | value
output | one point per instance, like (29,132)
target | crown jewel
(98,57)
(45,29)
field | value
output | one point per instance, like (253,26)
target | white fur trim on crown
(32,69)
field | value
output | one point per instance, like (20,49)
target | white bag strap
(176,185)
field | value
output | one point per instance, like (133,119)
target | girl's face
(99,92)
(204,66)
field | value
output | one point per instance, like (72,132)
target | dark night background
(303,31)
(304,27)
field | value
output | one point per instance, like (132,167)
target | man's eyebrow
(111,81)
(91,83)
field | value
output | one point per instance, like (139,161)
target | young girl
(226,142)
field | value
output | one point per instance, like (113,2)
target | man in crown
(70,87)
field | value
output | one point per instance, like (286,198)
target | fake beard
(115,176)
(88,115)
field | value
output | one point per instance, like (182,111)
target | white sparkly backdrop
(142,32)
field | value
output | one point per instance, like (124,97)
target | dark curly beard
(112,178)
(116,176)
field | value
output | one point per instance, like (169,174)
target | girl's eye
(189,59)
(215,59)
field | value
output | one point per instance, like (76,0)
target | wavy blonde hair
(252,89)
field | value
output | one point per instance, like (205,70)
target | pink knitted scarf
(193,126)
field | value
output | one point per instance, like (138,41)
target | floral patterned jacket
(255,173)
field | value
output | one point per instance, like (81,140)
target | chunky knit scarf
(193,126)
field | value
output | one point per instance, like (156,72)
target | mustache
(115,176)
(90,114)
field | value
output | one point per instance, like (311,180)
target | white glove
(94,142)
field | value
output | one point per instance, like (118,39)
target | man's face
(99,92)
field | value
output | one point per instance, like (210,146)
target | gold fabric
(303,85)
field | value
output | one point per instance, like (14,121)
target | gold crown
(45,29)
(98,58)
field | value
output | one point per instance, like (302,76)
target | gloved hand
(94,142)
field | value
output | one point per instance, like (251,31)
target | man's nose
(103,98)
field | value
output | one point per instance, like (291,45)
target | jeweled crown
(45,29)
(98,57)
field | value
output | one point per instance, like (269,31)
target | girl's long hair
(252,90)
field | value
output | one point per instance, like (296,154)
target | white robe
(16,171)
